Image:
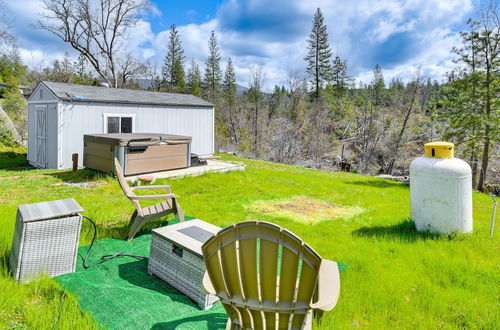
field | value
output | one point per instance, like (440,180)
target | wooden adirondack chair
(268,278)
(143,214)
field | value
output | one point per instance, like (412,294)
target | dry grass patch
(304,209)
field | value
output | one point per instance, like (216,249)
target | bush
(15,106)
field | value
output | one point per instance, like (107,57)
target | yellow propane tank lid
(439,149)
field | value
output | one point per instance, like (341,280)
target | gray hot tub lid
(126,139)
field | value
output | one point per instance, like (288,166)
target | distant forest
(321,119)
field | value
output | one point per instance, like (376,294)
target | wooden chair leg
(134,228)
(130,223)
(179,212)
(132,218)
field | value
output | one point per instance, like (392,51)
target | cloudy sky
(398,35)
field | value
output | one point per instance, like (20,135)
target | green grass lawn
(397,277)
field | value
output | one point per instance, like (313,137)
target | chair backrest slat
(266,268)
(248,263)
(121,179)
(230,264)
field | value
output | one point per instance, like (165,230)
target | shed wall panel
(81,118)
(31,133)
(52,140)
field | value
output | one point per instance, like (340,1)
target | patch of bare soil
(304,209)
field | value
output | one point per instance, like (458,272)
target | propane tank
(441,190)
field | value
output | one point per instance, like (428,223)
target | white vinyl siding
(68,121)
(81,118)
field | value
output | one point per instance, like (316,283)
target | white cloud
(273,34)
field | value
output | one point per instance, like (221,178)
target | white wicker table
(176,258)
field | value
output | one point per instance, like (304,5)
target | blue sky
(398,35)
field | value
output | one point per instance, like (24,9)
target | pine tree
(229,92)
(470,100)
(173,66)
(229,83)
(378,85)
(83,75)
(319,54)
(194,83)
(340,79)
(212,68)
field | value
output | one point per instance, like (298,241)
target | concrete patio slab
(212,166)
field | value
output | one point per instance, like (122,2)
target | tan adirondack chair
(143,214)
(267,277)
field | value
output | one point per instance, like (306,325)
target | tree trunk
(486,148)
(484,162)
(390,169)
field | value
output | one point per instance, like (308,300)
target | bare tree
(298,95)
(256,97)
(489,52)
(6,38)
(96,29)
(408,105)
(151,71)
(128,67)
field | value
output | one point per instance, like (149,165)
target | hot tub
(137,152)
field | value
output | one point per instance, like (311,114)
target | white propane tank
(441,190)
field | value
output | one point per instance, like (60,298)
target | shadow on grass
(136,273)
(379,184)
(82,175)
(13,160)
(121,230)
(404,231)
(214,321)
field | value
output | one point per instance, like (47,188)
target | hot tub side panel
(98,156)
(156,158)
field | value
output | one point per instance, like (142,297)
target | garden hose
(106,257)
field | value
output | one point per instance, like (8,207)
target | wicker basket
(45,239)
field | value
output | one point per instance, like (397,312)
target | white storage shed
(60,114)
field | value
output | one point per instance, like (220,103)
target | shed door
(41,136)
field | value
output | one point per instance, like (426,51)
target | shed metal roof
(83,93)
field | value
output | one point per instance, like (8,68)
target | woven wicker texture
(184,273)
(45,245)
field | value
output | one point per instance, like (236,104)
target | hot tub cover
(131,139)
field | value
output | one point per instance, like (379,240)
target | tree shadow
(404,231)
(214,321)
(379,184)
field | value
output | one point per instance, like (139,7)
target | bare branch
(94,28)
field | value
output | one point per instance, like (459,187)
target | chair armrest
(166,188)
(328,286)
(207,284)
(144,197)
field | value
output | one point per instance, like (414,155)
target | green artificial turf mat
(120,294)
